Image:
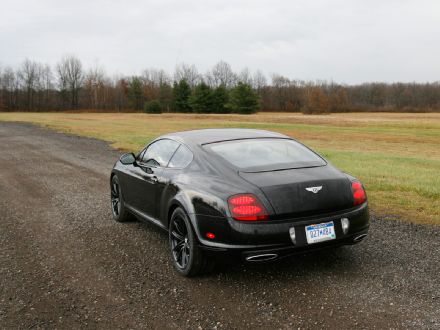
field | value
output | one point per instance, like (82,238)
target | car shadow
(341,259)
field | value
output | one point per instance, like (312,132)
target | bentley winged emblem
(314,190)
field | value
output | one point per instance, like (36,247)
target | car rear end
(300,202)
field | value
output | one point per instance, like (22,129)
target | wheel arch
(112,174)
(182,201)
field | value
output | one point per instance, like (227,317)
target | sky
(347,41)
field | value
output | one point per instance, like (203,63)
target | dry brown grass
(397,155)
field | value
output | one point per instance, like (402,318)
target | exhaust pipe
(359,238)
(262,257)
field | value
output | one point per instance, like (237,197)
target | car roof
(212,135)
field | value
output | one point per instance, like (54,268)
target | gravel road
(64,263)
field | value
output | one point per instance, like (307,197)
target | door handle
(154,179)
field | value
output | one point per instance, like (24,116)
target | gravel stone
(64,263)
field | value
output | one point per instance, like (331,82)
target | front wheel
(119,211)
(187,257)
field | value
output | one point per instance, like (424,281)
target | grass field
(397,156)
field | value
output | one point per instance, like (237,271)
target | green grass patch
(397,156)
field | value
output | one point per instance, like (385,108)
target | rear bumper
(280,252)
(248,239)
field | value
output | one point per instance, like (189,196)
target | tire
(187,257)
(119,211)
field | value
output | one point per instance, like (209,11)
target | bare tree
(245,76)
(70,78)
(28,75)
(120,92)
(259,80)
(155,78)
(221,74)
(317,100)
(46,83)
(10,88)
(2,91)
(281,86)
(95,87)
(187,72)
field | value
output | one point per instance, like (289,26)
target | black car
(254,194)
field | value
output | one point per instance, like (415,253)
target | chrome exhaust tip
(262,257)
(359,238)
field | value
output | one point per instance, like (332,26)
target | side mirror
(128,159)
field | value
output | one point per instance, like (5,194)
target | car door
(146,173)
(178,162)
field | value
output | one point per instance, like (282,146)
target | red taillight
(247,208)
(210,235)
(359,195)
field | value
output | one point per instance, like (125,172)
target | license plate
(320,232)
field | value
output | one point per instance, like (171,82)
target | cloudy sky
(348,41)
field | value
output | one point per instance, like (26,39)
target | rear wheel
(119,212)
(187,257)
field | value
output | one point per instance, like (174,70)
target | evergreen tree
(181,95)
(166,96)
(135,95)
(242,99)
(202,99)
(220,99)
(153,107)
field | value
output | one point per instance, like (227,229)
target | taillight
(210,235)
(359,195)
(247,207)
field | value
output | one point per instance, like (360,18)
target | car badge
(314,190)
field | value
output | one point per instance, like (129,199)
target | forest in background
(35,86)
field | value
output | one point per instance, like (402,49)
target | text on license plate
(320,232)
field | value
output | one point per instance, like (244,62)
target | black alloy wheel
(119,212)
(115,198)
(188,259)
(179,242)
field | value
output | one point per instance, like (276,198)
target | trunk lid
(286,190)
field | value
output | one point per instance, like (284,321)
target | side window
(181,158)
(160,152)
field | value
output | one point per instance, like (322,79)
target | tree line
(35,86)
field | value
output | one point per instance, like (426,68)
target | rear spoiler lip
(248,138)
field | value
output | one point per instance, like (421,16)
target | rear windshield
(254,155)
